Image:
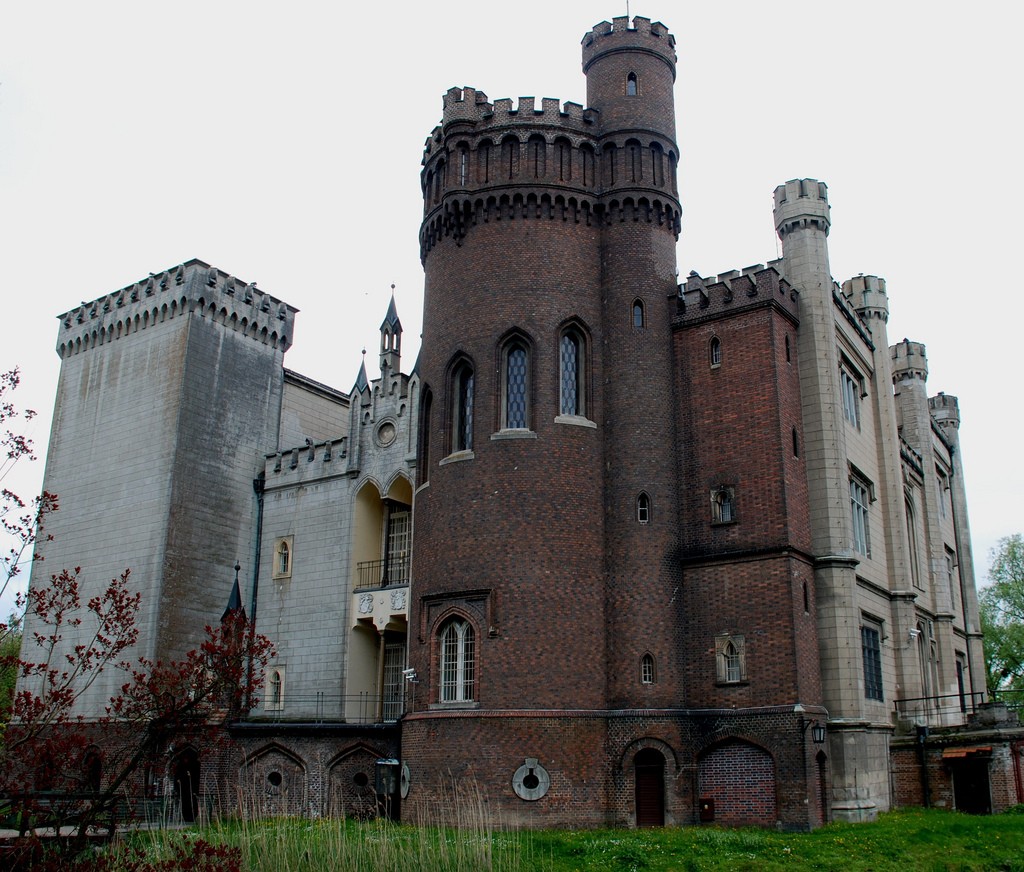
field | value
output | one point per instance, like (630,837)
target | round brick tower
(546,494)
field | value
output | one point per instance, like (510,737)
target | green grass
(904,840)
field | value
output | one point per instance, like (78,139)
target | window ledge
(743,682)
(454,706)
(515,433)
(456,457)
(575,420)
(725,523)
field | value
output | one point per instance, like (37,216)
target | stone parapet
(193,286)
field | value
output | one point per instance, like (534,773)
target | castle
(618,549)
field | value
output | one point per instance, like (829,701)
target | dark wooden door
(649,771)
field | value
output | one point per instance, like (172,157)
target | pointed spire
(235,599)
(391,319)
(391,339)
(362,382)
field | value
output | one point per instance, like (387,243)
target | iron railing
(382,573)
(320,707)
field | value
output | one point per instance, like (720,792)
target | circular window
(361,779)
(386,433)
(531,780)
(406,780)
(275,778)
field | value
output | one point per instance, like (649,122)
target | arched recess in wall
(510,157)
(351,792)
(739,777)
(272,781)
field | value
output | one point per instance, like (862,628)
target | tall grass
(458,835)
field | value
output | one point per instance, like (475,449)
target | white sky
(282,143)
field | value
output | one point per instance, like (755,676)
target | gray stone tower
(169,391)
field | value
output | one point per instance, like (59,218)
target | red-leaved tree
(67,770)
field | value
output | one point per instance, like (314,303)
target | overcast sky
(282,143)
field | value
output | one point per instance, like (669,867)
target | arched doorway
(186,784)
(649,788)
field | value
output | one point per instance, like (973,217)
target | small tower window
(723,506)
(643,509)
(275,690)
(715,351)
(647,669)
(571,371)
(631,85)
(796,444)
(282,557)
(462,407)
(788,358)
(515,406)
(639,320)
(730,652)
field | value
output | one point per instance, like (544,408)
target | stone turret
(391,340)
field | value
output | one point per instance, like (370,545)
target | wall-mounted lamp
(817,731)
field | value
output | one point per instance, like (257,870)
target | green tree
(1002,615)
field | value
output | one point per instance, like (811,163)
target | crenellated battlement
(945,410)
(909,361)
(617,35)
(802,203)
(713,296)
(867,296)
(314,460)
(193,286)
(467,112)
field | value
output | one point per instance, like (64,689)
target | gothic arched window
(458,661)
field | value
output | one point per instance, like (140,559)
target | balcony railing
(951,709)
(382,573)
(336,708)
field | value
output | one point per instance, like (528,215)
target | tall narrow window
(462,407)
(282,565)
(631,85)
(463,166)
(647,669)
(732,662)
(609,164)
(638,314)
(274,701)
(515,406)
(715,351)
(570,361)
(396,546)
(851,396)
(871,653)
(643,509)
(394,683)
(426,420)
(723,505)
(951,576)
(859,501)
(915,561)
(457,661)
